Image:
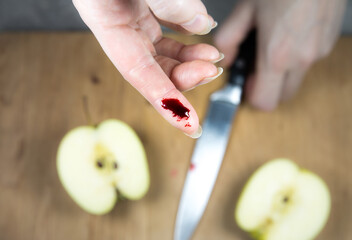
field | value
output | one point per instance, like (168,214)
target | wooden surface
(43,78)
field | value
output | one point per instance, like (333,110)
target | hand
(292,34)
(158,67)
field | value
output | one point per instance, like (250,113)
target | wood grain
(43,77)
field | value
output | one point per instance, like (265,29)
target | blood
(188,125)
(191,167)
(176,107)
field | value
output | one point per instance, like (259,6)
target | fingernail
(196,25)
(209,79)
(215,24)
(221,57)
(197,134)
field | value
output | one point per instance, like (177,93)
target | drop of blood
(188,125)
(176,107)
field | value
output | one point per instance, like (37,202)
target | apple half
(97,165)
(283,202)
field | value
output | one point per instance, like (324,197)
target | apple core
(104,159)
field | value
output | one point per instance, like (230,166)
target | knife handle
(245,60)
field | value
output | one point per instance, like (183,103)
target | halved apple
(98,164)
(283,202)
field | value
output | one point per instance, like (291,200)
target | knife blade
(211,146)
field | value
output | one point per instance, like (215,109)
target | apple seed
(100,163)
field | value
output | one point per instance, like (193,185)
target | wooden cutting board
(43,77)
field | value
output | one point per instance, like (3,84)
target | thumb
(191,15)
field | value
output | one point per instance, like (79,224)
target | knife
(211,146)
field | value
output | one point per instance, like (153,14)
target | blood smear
(176,107)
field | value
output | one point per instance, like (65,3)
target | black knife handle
(245,60)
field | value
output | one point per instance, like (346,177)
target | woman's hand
(159,68)
(292,34)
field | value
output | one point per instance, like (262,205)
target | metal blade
(207,158)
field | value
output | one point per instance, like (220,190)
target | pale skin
(292,35)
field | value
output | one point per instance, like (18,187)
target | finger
(191,15)
(267,83)
(132,58)
(265,92)
(234,30)
(292,83)
(183,53)
(188,75)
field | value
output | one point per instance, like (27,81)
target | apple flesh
(283,202)
(97,165)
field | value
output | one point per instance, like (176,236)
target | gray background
(61,15)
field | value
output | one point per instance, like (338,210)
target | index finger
(129,53)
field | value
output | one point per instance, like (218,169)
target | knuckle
(141,64)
